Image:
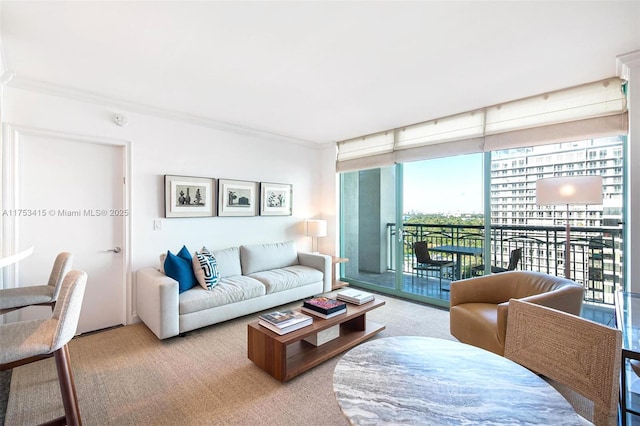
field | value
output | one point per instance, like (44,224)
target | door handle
(115,250)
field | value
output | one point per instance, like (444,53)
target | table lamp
(314,229)
(569,190)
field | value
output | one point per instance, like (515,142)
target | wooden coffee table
(286,356)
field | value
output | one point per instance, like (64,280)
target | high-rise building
(596,238)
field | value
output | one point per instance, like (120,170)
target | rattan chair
(580,358)
(20,297)
(29,341)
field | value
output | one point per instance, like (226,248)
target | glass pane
(368,200)
(443,223)
(596,245)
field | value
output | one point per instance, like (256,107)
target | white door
(73,191)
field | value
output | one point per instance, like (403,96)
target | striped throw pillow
(205,268)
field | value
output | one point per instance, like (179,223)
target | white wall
(163,146)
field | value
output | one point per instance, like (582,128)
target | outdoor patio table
(458,251)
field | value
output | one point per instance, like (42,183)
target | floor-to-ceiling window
(439,202)
(518,143)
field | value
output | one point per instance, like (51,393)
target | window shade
(588,111)
(590,128)
(597,99)
(375,144)
(456,127)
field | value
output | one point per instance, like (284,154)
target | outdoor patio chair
(424,262)
(578,357)
(514,259)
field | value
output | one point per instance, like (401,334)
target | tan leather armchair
(479,306)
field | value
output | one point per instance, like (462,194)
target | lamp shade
(569,190)
(316,228)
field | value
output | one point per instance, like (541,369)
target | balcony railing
(596,253)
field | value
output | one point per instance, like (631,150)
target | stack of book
(283,322)
(357,297)
(324,307)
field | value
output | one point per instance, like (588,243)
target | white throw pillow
(205,267)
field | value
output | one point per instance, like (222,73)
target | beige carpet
(126,376)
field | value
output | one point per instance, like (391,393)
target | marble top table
(428,381)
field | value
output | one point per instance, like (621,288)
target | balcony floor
(430,287)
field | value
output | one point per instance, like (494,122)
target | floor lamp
(569,190)
(314,229)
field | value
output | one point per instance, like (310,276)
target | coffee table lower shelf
(287,356)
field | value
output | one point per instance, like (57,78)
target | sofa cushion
(180,269)
(281,279)
(264,257)
(228,262)
(205,268)
(229,290)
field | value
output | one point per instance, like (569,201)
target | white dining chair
(25,342)
(20,297)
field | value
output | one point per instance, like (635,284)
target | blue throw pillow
(184,253)
(180,269)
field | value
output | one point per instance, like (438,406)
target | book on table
(357,297)
(323,316)
(324,305)
(285,319)
(287,329)
(283,322)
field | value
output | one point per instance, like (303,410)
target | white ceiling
(314,71)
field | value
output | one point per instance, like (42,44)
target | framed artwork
(187,196)
(237,198)
(275,199)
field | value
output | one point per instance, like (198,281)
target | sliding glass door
(442,205)
(386,211)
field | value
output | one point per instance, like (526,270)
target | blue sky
(444,185)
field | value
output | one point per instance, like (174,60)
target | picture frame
(189,196)
(275,199)
(237,198)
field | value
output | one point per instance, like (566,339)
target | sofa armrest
(157,302)
(322,263)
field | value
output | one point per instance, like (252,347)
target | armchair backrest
(578,355)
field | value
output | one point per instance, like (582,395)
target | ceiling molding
(44,87)
(624,62)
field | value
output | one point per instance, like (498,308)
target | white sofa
(252,278)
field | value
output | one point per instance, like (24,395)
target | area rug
(126,376)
